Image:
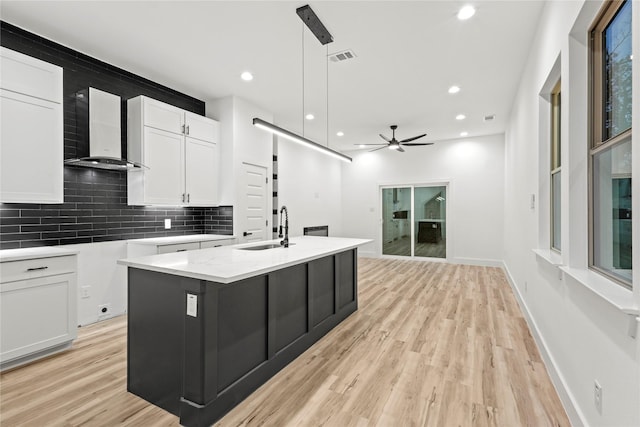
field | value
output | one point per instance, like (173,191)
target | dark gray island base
(199,367)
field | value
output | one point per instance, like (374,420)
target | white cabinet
(180,150)
(31,141)
(37,307)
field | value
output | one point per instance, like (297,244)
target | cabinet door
(202,128)
(37,314)
(164,155)
(162,116)
(31,150)
(201,172)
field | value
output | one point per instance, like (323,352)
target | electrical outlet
(597,396)
(167,224)
(104,310)
(84,291)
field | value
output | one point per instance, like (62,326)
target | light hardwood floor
(432,344)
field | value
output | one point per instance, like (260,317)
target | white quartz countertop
(171,240)
(31,253)
(228,264)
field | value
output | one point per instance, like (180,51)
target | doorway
(414,221)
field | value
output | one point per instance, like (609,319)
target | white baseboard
(566,397)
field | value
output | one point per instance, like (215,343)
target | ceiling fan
(394,144)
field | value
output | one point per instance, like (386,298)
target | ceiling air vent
(342,55)
(489,117)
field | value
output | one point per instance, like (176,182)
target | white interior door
(254,218)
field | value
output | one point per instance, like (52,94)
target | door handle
(246,233)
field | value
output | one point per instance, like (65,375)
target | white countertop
(30,253)
(228,264)
(171,240)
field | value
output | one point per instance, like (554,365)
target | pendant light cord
(303,79)
(326,57)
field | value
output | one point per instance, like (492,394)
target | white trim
(569,402)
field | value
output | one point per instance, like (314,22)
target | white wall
(583,338)
(241,142)
(106,281)
(310,186)
(474,171)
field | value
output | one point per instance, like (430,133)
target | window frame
(555,158)
(597,143)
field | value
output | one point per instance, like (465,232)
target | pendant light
(314,24)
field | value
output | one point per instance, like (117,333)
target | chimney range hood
(98,122)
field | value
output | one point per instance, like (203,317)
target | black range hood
(98,124)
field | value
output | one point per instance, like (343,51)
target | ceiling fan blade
(370,144)
(415,137)
(376,149)
(414,144)
(400,149)
(385,138)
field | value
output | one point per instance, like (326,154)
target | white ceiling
(408,54)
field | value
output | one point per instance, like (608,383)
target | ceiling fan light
(454,89)
(393,146)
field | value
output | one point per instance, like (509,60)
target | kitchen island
(208,327)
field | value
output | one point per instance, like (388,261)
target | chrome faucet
(285,241)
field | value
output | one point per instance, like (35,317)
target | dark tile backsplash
(95,201)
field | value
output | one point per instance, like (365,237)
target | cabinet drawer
(178,247)
(216,243)
(202,128)
(38,267)
(30,76)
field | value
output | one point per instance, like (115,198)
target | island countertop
(229,264)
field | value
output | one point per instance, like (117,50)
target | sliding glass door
(414,221)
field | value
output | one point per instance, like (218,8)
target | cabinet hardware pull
(181,250)
(246,233)
(188,197)
(182,197)
(37,268)
(182,129)
(187,130)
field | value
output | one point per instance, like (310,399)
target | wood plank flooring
(432,344)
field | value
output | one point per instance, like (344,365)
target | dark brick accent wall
(95,201)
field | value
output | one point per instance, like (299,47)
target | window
(556,176)
(610,142)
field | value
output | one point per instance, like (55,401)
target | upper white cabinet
(180,150)
(31,142)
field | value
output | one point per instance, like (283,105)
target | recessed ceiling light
(340,133)
(466,12)
(309,116)
(464,133)
(454,89)
(461,117)
(246,76)
(363,146)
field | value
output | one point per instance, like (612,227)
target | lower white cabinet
(37,307)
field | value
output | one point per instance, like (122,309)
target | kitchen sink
(264,247)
